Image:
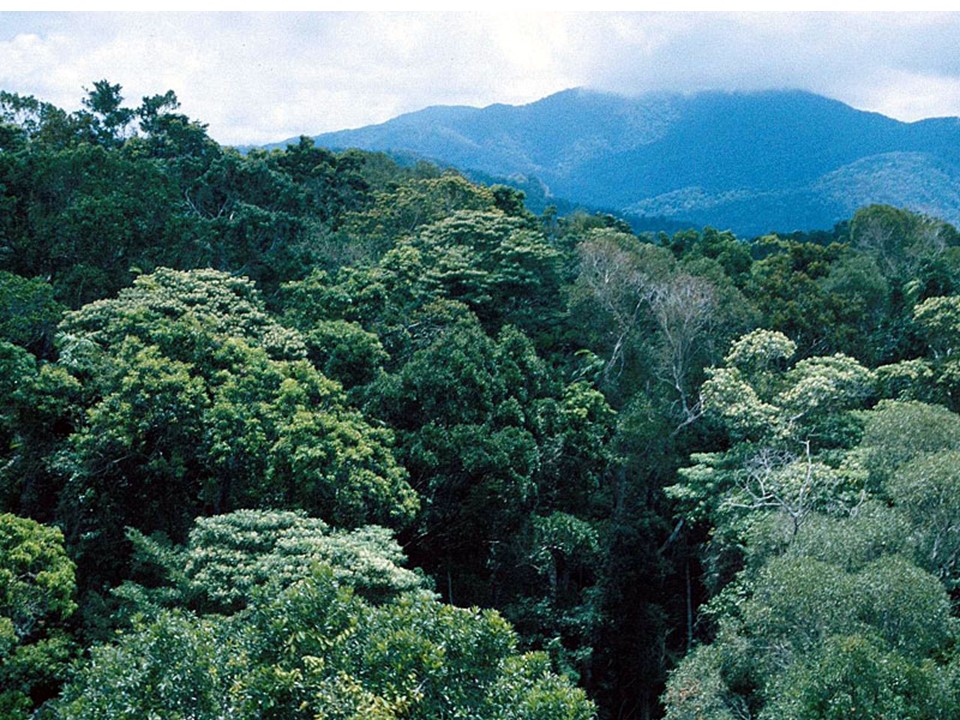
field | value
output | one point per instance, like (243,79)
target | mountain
(751,162)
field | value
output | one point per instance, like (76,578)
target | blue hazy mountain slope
(753,162)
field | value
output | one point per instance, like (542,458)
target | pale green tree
(37,592)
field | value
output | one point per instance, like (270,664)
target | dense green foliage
(299,433)
(36,600)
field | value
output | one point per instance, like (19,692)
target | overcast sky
(255,77)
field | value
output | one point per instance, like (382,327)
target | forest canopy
(301,433)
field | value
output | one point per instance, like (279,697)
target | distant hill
(751,162)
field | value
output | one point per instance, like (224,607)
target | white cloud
(910,96)
(257,77)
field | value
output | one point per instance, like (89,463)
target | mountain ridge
(753,162)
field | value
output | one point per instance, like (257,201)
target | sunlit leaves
(36,597)
(228,558)
(170,666)
(758,398)
(318,650)
(198,403)
(158,306)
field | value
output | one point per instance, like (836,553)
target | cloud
(257,77)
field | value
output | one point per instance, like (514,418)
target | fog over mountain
(750,162)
